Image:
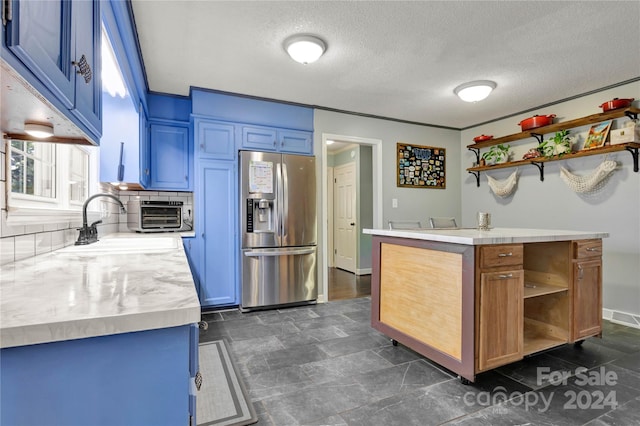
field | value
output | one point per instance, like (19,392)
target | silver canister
(484,221)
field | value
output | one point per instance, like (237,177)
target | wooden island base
(474,307)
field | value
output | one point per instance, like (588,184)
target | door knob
(352,223)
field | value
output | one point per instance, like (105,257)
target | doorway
(347,280)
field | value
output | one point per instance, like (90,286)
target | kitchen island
(100,334)
(474,300)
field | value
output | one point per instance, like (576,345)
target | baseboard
(364,271)
(622,318)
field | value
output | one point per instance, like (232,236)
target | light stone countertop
(472,236)
(123,283)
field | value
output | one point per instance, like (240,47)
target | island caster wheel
(394,342)
(578,343)
(203,325)
(464,381)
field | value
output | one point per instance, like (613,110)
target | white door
(345,217)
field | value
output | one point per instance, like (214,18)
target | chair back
(404,224)
(443,222)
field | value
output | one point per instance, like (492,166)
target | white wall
(551,204)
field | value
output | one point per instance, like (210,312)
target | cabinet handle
(505,254)
(198,380)
(593,249)
(505,276)
(84,69)
(580,272)
(186,177)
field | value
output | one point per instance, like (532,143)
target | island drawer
(587,248)
(492,256)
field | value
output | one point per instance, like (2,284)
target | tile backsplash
(19,242)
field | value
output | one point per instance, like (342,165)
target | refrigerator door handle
(278,207)
(289,252)
(285,199)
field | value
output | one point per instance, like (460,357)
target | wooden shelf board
(583,153)
(534,342)
(541,289)
(552,128)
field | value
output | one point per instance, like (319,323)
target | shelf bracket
(476,151)
(634,153)
(538,137)
(631,115)
(540,167)
(477,175)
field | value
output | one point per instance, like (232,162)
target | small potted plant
(559,144)
(497,154)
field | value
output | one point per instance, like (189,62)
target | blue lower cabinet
(140,378)
(216,231)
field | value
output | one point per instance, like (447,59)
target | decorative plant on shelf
(497,154)
(559,144)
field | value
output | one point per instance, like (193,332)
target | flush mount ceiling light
(39,130)
(304,48)
(474,91)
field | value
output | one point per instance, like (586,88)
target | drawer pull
(505,254)
(504,276)
(593,249)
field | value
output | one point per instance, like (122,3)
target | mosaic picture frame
(420,166)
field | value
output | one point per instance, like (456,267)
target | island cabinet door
(500,306)
(587,298)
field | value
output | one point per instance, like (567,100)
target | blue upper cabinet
(260,125)
(170,156)
(214,139)
(57,46)
(87,64)
(274,139)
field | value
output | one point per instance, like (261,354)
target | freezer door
(278,276)
(260,221)
(299,216)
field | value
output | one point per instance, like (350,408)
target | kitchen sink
(120,244)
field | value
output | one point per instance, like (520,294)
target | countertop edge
(97,327)
(472,236)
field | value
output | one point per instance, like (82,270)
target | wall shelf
(630,112)
(538,133)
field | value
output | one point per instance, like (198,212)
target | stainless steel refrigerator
(278,229)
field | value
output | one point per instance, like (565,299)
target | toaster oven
(155,216)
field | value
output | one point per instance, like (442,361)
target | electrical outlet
(394,203)
(104,213)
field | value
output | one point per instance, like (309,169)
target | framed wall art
(597,135)
(421,166)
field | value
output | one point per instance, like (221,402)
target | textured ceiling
(392,59)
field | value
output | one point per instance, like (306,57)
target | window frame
(25,209)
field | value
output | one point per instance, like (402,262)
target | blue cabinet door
(169,150)
(295,141)
(216,227)
(145,168)
(88,87)
(279,140)
(259,138)
(215,139)
(40,35)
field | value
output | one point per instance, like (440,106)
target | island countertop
(473,236)
(123,283)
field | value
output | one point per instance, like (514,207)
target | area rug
(222,399)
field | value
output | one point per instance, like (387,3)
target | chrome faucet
(89,234)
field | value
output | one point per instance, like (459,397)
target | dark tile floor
(324,365)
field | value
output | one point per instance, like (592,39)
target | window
(49,182)
(33,169)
